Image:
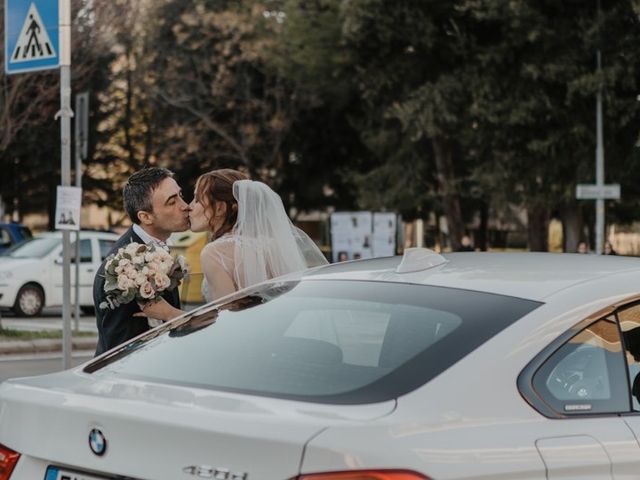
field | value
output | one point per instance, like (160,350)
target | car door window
(105,248)
(25,233)
(629,319)
(86,255)
(588,373)
(5,238)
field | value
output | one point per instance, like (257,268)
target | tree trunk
(538,228)
(480,240)
(572,223)
(443,153)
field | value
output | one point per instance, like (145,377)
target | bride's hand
(160,309)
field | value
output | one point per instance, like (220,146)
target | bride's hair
(217,186)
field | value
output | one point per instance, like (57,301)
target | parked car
(463,366)
(31,273)
(12,234)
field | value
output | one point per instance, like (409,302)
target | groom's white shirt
(148,239)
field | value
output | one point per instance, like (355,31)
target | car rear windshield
(343,342)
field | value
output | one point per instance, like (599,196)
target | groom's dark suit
(119,325)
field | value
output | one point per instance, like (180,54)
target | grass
(11,334)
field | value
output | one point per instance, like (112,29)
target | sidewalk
(42,345)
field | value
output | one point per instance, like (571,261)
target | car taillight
(365,475)
(8,460)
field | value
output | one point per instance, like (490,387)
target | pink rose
(162,281)
(146,290)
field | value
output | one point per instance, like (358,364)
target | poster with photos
(384,234)
(356,235)
(68,204)
(351,236)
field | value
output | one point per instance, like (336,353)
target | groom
(153,201)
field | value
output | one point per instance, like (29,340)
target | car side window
(587,374)
(5,238)
(25,233)
(105,247)
(629,319)
(86,255)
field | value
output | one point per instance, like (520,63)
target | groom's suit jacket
(119,325)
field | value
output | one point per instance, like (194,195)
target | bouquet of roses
(142,273)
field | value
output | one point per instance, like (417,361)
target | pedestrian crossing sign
(31,35)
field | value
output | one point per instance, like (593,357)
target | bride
(253,238)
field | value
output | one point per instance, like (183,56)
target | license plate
(55,473)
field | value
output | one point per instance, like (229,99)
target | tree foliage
(448,108)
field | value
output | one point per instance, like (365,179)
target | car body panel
(537,275)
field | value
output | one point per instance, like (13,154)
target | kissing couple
(253,240)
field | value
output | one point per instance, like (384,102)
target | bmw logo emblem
(97,442)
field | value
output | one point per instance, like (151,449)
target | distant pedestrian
(465,244)
(608,249)
(583,247)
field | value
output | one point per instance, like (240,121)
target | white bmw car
(462,366)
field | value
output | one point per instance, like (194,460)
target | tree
(534,100)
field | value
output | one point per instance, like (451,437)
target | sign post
(37,36)
(81,149)
(599,192)
(65,115)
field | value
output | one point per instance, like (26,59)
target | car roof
(84,233)
(534,276)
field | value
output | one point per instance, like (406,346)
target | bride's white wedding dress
(263,244)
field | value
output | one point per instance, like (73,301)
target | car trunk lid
(163,432)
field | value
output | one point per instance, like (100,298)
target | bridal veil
(267,244)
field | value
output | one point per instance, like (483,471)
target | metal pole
(78,147)
(599,166)
(65,144)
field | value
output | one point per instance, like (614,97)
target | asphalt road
(38,364)
(25,365)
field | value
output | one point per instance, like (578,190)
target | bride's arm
(219,281)
(160,309)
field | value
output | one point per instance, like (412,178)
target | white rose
(124,282)
(132,248)
(124,262)
(131,272)
(138,259)
(146,290)
(140,279)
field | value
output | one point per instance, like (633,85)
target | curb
(46,345)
